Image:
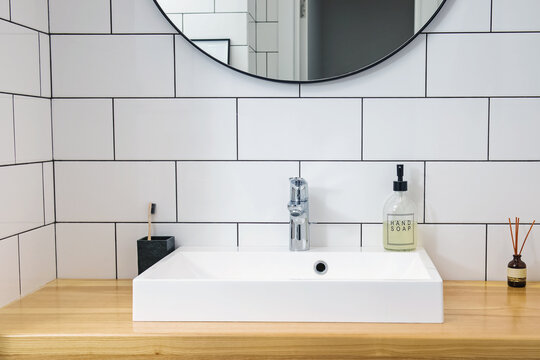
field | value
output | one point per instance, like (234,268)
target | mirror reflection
(299,40)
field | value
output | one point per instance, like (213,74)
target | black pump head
(400,185)
(153,209)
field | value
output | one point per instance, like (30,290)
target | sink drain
(320,267)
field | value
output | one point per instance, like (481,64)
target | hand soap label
(399,231)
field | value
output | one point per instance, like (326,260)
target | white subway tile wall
(9,270)
(38,258)
(83,129)
(86,251)
(459,103)
(27,244)
(31,13)
(80,16)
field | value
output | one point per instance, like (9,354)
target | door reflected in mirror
(300,40)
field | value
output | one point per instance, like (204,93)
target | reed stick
(512,235)
(524,241)
(517,232)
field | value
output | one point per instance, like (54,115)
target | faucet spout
(299,215)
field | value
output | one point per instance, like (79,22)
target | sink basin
(320,285)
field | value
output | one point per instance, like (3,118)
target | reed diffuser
(517,269)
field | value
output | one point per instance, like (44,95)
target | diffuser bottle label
(517,273)
(399,231)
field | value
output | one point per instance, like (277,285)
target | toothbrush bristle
(153,209)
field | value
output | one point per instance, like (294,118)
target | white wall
(27,214)
(459,105)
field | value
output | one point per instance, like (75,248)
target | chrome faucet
(299,215)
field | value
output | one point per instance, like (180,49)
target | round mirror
(300,40)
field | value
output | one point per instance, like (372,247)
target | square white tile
(21,191)
(462,16)
(261,235)
(112,65)
(114,191)
(483,64)
(458,251)
(403,75)
(9,271)
(45,64)
(38,258)
(138,16)
(481,192)
(83,129)
(32,13)
(516,15)
(220,235)
(500,251)
(86,251)
(372,235)
(261,64)
(299,129)
(7,136)
(514,129)
(234,191)
(161,129)
(80,16)
(335,235)
(199,76)
(357,191)
(19,72)
(48,195)
(33,136)
(425,129)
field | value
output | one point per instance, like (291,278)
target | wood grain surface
(91,319)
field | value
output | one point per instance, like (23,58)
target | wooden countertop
(91,319)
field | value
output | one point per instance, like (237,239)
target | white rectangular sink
(359,285)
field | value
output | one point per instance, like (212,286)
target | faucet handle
(299,190)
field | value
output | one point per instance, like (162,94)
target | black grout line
(488,125)
(115,251)
(9,4)
(362,129)
(174,63)
(426,69)
(237,234)
(19,257)
(491,17)
(111,15)
(113,131)
(48,16)
(266,223)
(23,25)
(237,130)
(35,228)
(55,251)
(43,191)
(39,65)
(176,186)
(299,169)
(464,97)
(425,176)
(486,255)
(479,161)
(14,135)
(361,234)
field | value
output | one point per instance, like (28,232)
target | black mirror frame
(369,66)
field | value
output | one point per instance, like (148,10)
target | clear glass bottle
(399,218)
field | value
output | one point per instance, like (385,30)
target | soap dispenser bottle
(399,217)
